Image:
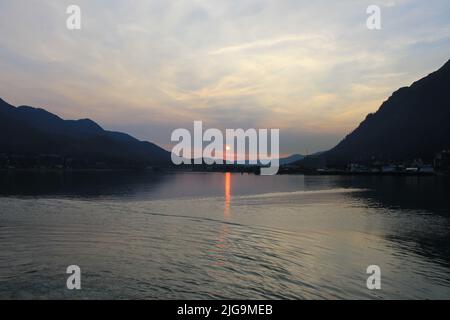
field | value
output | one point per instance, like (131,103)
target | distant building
(417,163)
(4,161)
(354,167)
(426,169)
(442,160)
(389,168)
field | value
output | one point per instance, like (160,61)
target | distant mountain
(283,161)
(413,123)
(291,159)
(28,131)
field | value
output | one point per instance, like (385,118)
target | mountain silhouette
(27,131)
(291,159)
(413,123)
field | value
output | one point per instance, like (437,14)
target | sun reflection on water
(227,194)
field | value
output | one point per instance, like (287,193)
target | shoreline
(175,170)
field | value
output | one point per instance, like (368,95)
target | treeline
(57,162)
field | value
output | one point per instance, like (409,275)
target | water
(212,235)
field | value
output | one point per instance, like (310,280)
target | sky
(309,68)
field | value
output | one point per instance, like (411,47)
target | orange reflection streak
(222,240)
(227,194)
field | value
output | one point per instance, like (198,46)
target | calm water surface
(213,235)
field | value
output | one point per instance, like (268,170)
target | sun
(227,147)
